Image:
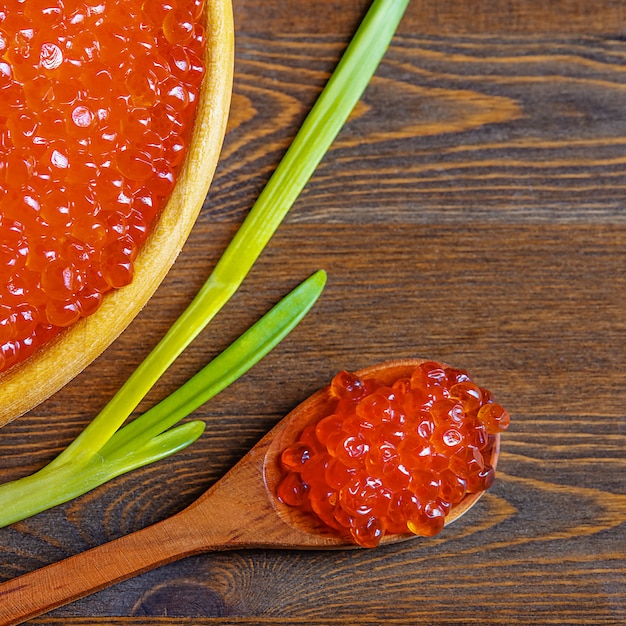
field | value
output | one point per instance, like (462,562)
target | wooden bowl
(28,384)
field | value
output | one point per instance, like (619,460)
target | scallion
(151,437)
(104,450)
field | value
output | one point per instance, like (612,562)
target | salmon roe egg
(394,459)
(97,103)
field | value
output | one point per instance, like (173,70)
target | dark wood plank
(451,17)
(450,129)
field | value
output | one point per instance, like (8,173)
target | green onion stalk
(105,449)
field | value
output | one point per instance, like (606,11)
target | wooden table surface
(471,211)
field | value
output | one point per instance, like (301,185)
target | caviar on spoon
(394,453)
(244,508)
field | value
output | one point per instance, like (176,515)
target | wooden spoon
(239,511)
(31,382)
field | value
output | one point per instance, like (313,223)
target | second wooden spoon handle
(75,577)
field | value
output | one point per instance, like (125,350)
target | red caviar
(97,101)
(394,459)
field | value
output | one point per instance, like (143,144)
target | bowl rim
(29,383)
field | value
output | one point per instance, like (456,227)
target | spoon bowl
(239,511)
(316,534)
(30,383)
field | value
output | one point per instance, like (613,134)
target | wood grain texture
(472,211)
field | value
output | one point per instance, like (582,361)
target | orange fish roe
(97,100)
(394,459)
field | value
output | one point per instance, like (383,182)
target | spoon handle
(60,583)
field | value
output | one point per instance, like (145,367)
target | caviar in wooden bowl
(113,115)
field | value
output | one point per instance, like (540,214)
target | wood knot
(180,599)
